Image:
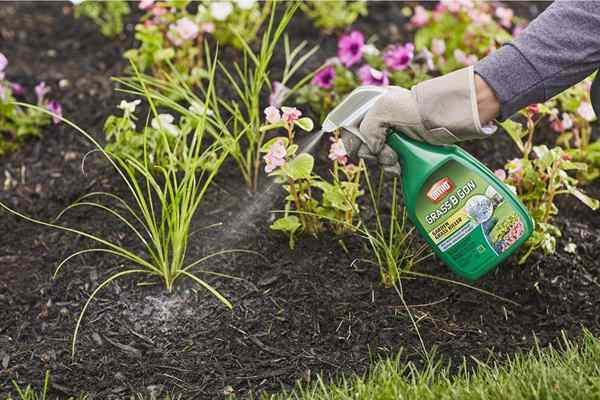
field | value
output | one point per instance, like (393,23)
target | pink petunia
(500,174)
(464,59)
(290,114)
(420,18)
(278,94)
(41,90)
(275,158)
(187,29)
(438,47)
(324,78)
(54,107)
(350,48)
(371,76)
(145,4)
(272,115)
(17,89)
(337,151)
(505,15)
(399,57)
(586,111)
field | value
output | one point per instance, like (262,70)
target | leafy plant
(172,33)
(312,203)
(159,213)
(334,15)
(539,179)
(460,33)
(17,123)
(108,15)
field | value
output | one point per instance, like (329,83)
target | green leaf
(289,224)
(300,167)
(584,198)
(305,124)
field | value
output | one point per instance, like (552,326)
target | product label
(466,217)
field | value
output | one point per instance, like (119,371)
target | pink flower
(420,17)
(41,90)
(3,63)
(187,29)
(207,27)
(290,114)
(398,57)
(438,47)
(464,59)
(272,115)
(556,125)
(337,151)
(515,166)
(145,4)
(275,158)
(17,89)
(505,15)
(148,23)
(427,56)
(174,38)
(350,48)
(500,174)
(324,78)
(533,108)
(479,18)
(278,94)
(371,76)
(158,11)
(54,107)
(351,169)
(586,111)
(518,30)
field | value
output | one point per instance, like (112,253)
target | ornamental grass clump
(163,200)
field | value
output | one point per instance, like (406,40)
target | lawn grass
(570,370)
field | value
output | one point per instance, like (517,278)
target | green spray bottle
(469,217)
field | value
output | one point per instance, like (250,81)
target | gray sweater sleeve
(558,49)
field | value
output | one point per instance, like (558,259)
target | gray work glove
(595,94)
(438,111)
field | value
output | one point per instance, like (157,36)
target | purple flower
(371,76)
(324,78)
(398,57)
(278,94)
(350,48)
(41,90)
(55,108)
(17,89)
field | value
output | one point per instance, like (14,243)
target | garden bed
(297,312)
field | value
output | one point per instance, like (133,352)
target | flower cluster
(313,202)
(169,32)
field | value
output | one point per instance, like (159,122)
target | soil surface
(297,313)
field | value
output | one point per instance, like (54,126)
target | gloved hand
(438,111)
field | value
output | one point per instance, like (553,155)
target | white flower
(245,4)
(567,122)
(571,248)
(586,111)
(198,108)
(129,107)
(220,10)
(370,50)
(165,121)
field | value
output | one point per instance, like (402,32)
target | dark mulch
(297,313)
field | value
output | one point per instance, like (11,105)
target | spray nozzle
(351,111)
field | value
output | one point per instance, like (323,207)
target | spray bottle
(469,217)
